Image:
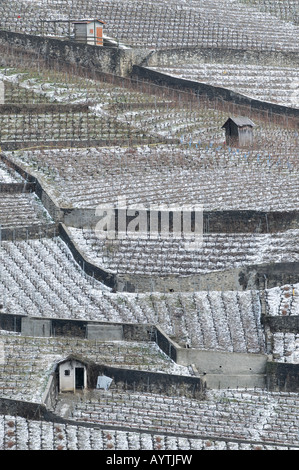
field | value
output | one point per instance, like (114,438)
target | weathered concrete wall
(223,369)
(10,322)
(93,330)
(282,324)
(242,278)
(29,232)
(108,60)
(283,377)
(183,55)
(102,332)
(14,188)
(36,327)
(151,382)
(41,108)
(222,221)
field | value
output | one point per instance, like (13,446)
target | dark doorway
(79,377)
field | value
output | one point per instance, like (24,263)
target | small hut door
(79,377)
(99,36)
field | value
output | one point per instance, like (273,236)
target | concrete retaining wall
(282,324)
(223,369)
(29,232)
(14,188)
(283,377)
(42,108)
(242,278)
(183,55)
(222,221)
(108,60)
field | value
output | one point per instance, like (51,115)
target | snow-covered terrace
(19,433)
(257,416)
(40,278)
(162,256)
(22,210)
(278,84)
(217,177)
(8,175)
(161,24)
(29,362)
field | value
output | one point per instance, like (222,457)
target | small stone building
(72,375)
(89,31)
(239,131)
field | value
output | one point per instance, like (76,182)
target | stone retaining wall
(42,108)
(29,232)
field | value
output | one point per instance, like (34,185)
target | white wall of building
(67,375)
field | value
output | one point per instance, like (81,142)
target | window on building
(67,372)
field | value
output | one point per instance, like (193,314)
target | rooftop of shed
(240,121)
(87,21)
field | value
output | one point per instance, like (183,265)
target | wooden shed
(89,31)
(238,131)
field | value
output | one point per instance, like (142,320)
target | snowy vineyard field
(115,112)
(122,112)
(29,361)
(49,283)
(160,147)
(278,85)
(204,23)
(260,417)
(160,256)
(217,177)
(22,210)
(8,175)
(254,414)
(19,433)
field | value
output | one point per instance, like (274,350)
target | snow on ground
(40,278)
(216,177)
(7,175)
(166,255)
(17,433)
(276,84)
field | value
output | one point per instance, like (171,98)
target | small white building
(89,31)
(72,375)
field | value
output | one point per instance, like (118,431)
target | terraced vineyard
(163,24)
(147,310)
(217,177)
(278,84)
